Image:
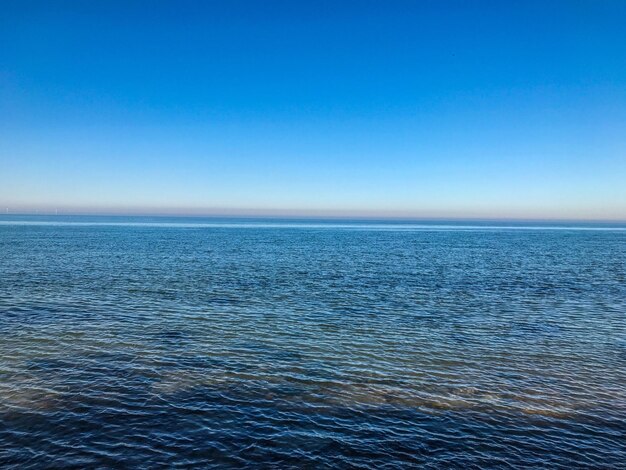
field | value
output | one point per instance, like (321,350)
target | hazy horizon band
(303,223)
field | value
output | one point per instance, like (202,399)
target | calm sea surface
(142,343)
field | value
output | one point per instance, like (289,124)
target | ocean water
(146,343)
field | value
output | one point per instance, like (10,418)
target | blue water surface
(162,342)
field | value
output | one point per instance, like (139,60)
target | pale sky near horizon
(413,109)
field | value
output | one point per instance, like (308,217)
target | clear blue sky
(424,108)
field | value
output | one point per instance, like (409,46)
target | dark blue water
(146,343)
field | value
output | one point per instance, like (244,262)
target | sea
(147,342)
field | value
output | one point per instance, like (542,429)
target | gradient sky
(422,109)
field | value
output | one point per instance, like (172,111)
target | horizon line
(309,215)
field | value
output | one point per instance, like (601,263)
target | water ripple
(167,346)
